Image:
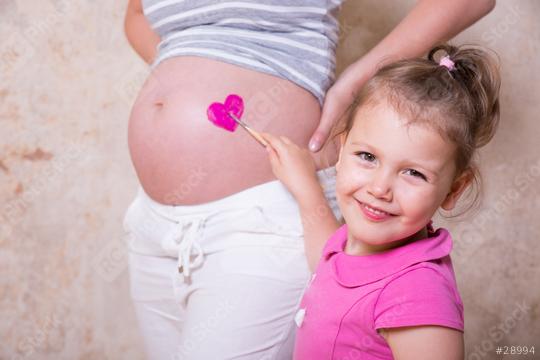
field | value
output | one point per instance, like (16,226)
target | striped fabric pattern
(292,39)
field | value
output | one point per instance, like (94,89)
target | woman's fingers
(335,105)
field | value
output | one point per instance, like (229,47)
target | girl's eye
(366,156)
(415,173)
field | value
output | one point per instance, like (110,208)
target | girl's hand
(292,165)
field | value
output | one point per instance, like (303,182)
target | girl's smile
(373,213)
(392,176)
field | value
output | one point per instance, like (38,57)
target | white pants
(220,280)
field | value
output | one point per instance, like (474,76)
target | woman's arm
(295,168)
(138,32)
(428,23)
(425,343)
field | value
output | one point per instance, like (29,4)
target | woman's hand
(293,166)
(428,23)
(338,99)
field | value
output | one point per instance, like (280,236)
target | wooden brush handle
(257,136)
(250,131)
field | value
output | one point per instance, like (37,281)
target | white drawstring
(182,242)
(186,247)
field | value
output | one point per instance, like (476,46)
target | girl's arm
(425,343)
(428,23)
(138,32)
(295,168)
(319,223)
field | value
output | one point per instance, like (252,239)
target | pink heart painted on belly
(218,112)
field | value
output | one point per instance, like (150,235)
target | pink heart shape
(218,112)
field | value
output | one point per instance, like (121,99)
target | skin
(429,22)
(177,154)
(177,157)
(182,158)
(406,171)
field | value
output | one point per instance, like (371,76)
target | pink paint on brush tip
(218,112)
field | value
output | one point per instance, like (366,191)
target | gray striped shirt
(292,39)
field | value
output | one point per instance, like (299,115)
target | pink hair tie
(446,62)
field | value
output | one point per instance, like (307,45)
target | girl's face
(391,178)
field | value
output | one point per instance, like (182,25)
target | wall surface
(68,79)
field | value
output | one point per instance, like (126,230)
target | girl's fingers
(277,144)
(273,157)
(285,140)
(270,148)
(274,140)
(268,137)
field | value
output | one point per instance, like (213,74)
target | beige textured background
(67,81)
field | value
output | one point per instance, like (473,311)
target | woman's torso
(179,156)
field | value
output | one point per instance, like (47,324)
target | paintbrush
(250,131)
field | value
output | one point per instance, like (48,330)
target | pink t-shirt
(350,297)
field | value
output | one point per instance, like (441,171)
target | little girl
(384,286)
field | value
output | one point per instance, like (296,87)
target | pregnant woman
(218,257)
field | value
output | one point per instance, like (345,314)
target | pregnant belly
(182,158)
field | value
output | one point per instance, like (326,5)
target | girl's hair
(460,103)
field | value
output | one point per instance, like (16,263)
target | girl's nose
(380,186)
